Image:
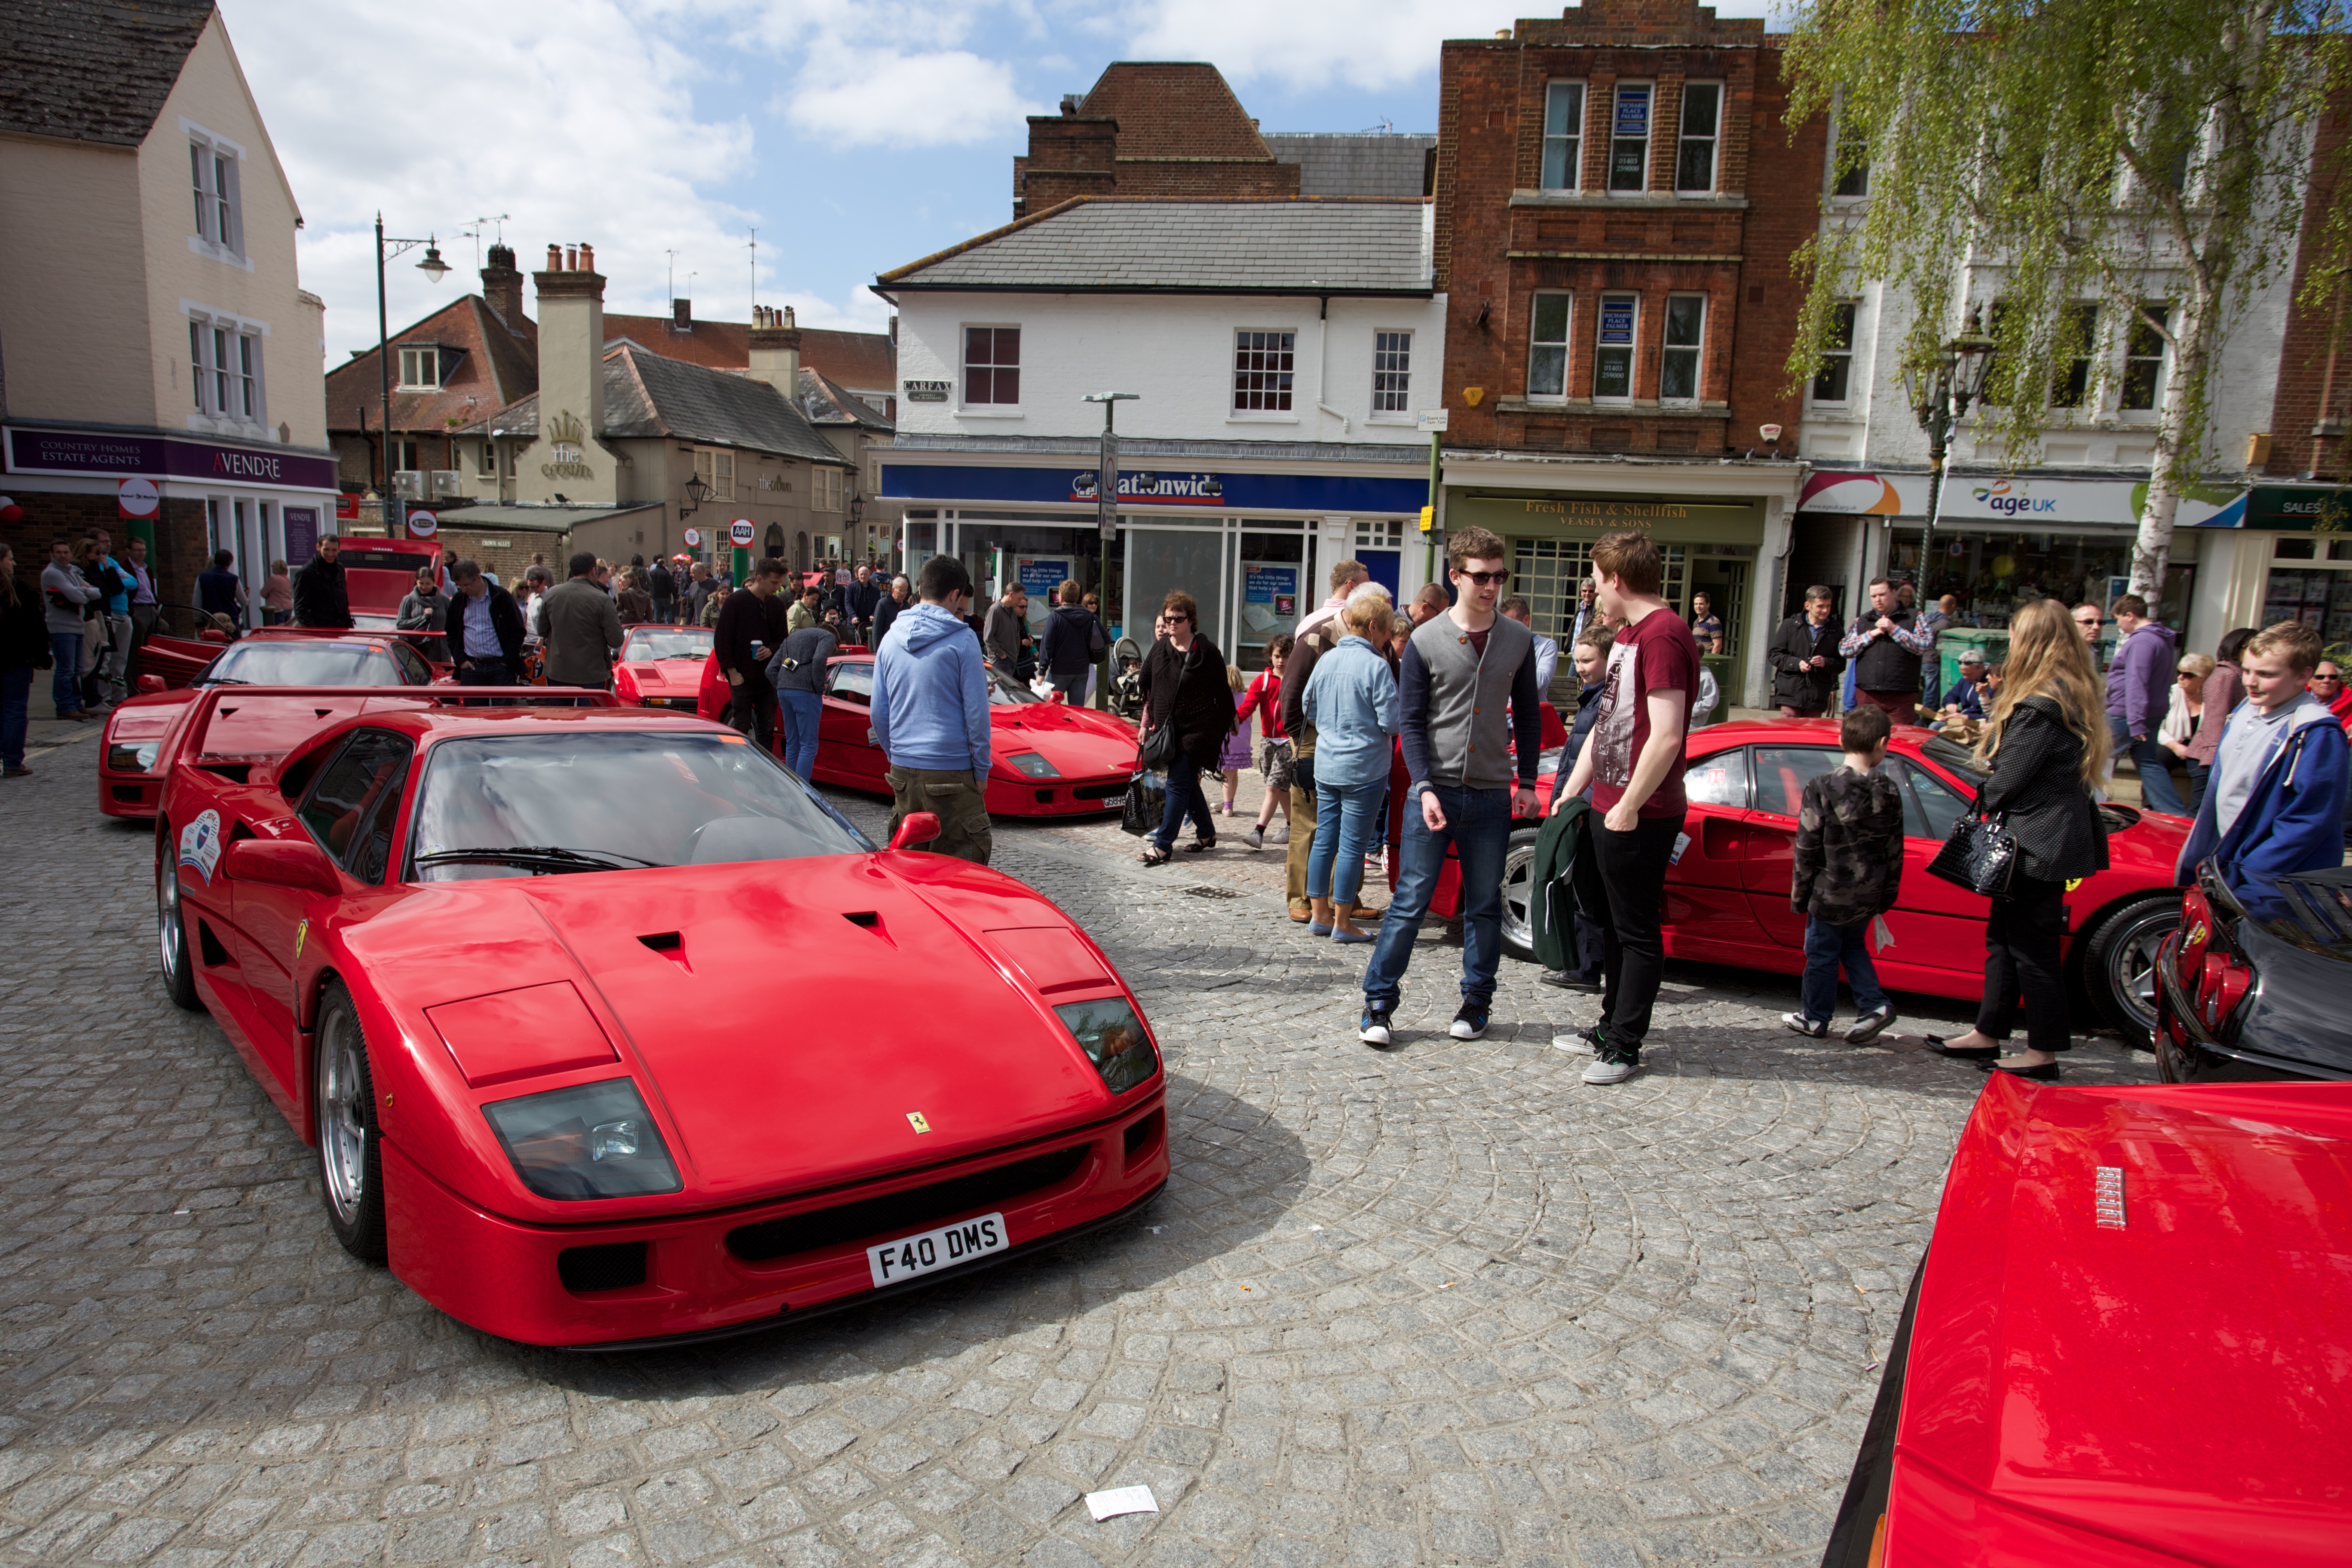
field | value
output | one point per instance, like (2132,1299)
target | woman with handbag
(2045,743)
(1188,711)
(1353,703)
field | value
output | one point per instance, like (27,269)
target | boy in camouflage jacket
(1848,868)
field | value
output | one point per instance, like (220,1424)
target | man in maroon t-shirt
(1634,762)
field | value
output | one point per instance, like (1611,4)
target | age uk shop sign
(97,453)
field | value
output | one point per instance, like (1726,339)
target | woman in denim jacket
(1351,700)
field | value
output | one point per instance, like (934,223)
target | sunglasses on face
(1485,579)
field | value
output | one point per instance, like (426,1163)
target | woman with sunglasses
(1184,687)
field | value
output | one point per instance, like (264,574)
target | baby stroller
(1127,684)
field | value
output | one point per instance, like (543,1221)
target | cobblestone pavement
(1444,1305)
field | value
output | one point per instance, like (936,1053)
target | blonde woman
(2046,745)
(2184,719)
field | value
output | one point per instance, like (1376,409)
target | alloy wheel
(342,1112)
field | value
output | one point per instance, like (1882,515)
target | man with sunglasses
(1462,673)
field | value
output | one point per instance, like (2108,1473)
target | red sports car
(661,666)
(1727,889)
(1049,759)
(514,969)
(134,752)
(2125,1348)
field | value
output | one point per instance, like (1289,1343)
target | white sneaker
(1577,1043)
(1255,839)
(1611,1069)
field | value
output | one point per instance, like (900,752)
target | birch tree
(2027,158)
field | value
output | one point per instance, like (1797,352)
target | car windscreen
(598,799)
(1958,761)
(1003,692)
(682,642)
(291,663)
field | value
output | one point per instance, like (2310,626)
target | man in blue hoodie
(2274,802)
(2139,688)
(930,713)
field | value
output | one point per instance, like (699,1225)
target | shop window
(1263,368)
(1629,138)
(1695,154)
(1563,143)
(420,370)
(2144,358)
(2316,596)
(992,366)
(1549,573)
(1547,346)
(213,178)
(1678,366)
(2078,329)
(1612,354)
(1392,372)
(715,467)
(1833,383)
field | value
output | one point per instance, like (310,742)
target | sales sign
(1633,111)
(1617,321)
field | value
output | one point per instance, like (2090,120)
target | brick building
(1617,203)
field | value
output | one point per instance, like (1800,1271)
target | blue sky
(856,136)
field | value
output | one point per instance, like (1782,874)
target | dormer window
(420,370)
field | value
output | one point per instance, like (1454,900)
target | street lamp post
(1940,392)
(1106,476)
(432,267)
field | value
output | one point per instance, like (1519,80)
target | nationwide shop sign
(97,452)
(1182,490)
(1358,494)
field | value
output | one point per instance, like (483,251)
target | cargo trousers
(957,797)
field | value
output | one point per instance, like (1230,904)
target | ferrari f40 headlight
(131,756)
(592,1140)
(1036,766)
(1112,1036)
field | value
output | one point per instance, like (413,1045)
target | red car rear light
(2196,938)
(2222,983)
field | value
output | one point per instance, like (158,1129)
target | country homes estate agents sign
(103,454)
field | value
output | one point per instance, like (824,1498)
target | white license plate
(910,1256)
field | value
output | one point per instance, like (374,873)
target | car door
(1768,859)
(351,810)
(1936,925)
(846,751)
(1707,913)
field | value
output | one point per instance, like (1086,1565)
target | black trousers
(1632,866)
(2021,940)
(754,711)
(486,672)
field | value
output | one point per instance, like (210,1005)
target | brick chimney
(775,348)
(502,288)
(568,458)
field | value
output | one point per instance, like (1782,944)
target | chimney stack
(568,456)
(502,288)
(681,315)
(776,349)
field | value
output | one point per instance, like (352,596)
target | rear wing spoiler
(251,724)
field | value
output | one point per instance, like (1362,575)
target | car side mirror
(150,684)
(294,863)
(919,828)
(212,634)
(1059,696)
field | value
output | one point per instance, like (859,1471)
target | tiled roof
(93,71)
(1173,109)
(647,394)
(1289,247)
(494,366)
(1356,163)
(827,402)
(864,360)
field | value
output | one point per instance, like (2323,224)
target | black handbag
(1145,804)
(1158,749)
(1980,856)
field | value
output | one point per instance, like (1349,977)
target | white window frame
(1617,94)
(1391,373)
(2087,361)
(229,368)
(1670,352)
(413,354)
(1573,136)
(1564,343)
(216,161)
(2162,359)
(1285,410)
(1852,308)
(715,467)
(486,466)
(1830,177)
(1683,140)
(964,368)
(1629,348)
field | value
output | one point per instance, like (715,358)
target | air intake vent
(913,1209)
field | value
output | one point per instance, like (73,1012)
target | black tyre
(351,1161)
(1518,892)
(171,926)
(2119,965)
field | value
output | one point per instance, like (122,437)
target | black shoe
(1469,1021)
(2041,1072)
(1870,1025)
(1373,1030)
(1962,1053)
(1568,981)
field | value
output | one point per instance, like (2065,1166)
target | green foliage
(2060,150)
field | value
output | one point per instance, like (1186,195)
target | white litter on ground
(1121,1499)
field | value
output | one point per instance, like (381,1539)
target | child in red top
(1276,755)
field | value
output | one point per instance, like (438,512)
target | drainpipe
(1322,340)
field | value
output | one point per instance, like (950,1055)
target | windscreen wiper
(546,856)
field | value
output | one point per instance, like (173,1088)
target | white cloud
(855,96)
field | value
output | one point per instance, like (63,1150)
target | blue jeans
(1829,947)
(1478,827)
(1343,827)
(1184,799)
(15,705)
(2157,790)
(65,682)
(801,711)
